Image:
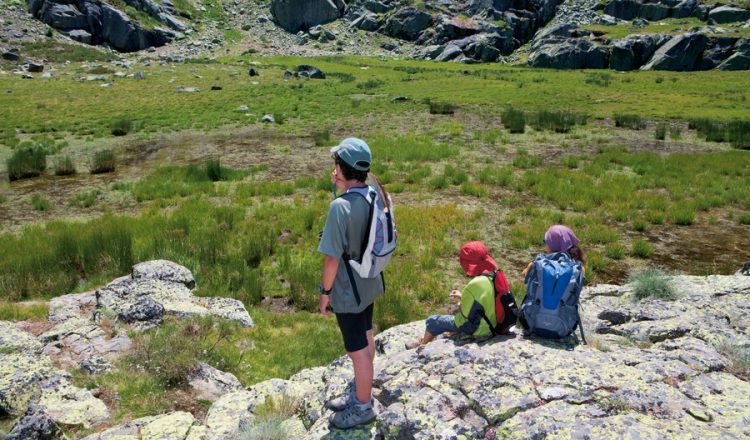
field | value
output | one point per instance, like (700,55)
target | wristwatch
(323,290)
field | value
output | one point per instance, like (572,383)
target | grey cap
(355,152)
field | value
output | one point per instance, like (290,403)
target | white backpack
(379,242)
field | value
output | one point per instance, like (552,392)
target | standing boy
(350,296)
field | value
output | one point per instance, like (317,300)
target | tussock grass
(650,282)
(634,122)
(738,356)
(103,161)
(642,248)
(269,417)
(26,162)
(64,166)
(514,120)
(558,121)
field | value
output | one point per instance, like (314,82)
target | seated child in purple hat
(560,238)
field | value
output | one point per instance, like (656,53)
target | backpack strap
(346,257)
(371,202)
(489,324)
(352,281)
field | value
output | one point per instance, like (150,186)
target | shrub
(172,351)
(744,219)
(26,162)
(642,248)
(438,182)
(514,120)
(454,175)
(441,108)
(64,166)
(121,127)
(103,161)
(633,122)
(651,283)
(39,203)
(661,132)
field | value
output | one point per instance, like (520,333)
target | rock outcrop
(87,331)
(296,15)
(100,23)
(652,369)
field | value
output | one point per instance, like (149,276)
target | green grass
(77,108)
(84,198)
(651,283)
(669,26)
(10,311)
(642,248)
(39,202)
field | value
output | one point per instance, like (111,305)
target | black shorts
(354,328)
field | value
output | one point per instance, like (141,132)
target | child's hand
(455,294)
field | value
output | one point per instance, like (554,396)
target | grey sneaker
(340,403)
(354,415)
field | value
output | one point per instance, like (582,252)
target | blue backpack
(550,308)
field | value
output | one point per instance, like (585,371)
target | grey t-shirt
(345,228)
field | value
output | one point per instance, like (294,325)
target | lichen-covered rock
(74,305)
(95,365)
(154,293)
(19,376)
(211,383)
(653,369)
(34,425)
(69,405)
(14,339)
(174,426)
(226,414)
(164,270)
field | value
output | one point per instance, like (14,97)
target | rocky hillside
(616,34)
(652,369)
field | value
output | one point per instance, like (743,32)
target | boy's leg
(363,372)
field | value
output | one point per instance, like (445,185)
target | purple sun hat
(560,238)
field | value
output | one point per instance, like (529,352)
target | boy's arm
(330,266)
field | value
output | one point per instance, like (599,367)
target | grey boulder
(35,425)
(728,14)
(739,60)
(312,72)
(682,52)
(408,23)
(80,36)
(296,15)
(572,53)
(635,50)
